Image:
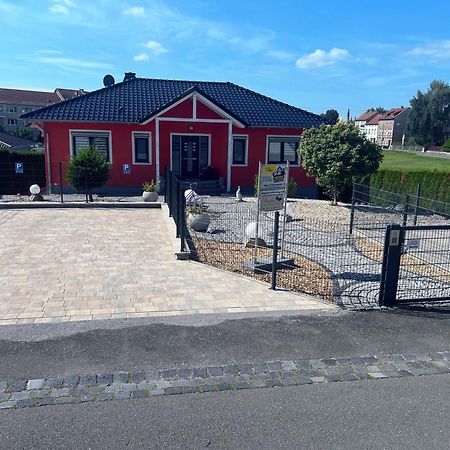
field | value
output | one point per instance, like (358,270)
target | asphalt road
(407,413)
(98,346)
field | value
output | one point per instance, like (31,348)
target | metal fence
(416,265)
(315,256)
(371,205)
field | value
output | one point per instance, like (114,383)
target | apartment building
(391,127)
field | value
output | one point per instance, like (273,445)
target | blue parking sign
(127,169)
(19,167)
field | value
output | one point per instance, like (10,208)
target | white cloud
(141,57)
(322,58)
(137,11)
(71,63)
(155,47)
(434,51)
(61,6)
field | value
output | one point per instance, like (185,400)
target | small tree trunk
(335,193)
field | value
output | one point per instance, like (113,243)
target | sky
(316,55)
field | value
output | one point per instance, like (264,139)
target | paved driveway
(81,264)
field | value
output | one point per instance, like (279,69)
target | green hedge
(433,184)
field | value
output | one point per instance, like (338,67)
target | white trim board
(148,134)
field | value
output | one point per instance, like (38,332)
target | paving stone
(329,362)
(65,400)
(246,369)
(122,395)
(344,362)
(35,383)
(121,377)
(63,392)
(53,382)
(242,385)
(174,390)
(45,401)
(274,365)
(349,377)
(137,377)
(26,403)
(186,373)
(88,380)
(370,360)
(71,381)
(155,392)
(86,398)
(8,405)
(128,387)
(4,397)
(153,375)
(288,365)
(105,378)
(170,374)
(16,385)
(231,370)
(215,371)
(39,393)
(303,364)
(317,363)
(21,395)
(377,375)
(260,368)
(318,379)
(139,394)
(186,390)
(227,386)
(200,372)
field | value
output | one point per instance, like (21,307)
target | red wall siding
(257,149)
(183,110)
(203,112)
(59,143)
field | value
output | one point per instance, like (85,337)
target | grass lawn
(411,161)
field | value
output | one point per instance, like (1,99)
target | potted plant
(198,218)
(150,193)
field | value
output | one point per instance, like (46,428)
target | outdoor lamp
(250,230)
(35,189)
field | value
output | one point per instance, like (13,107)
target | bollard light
(35,189)
(250,230)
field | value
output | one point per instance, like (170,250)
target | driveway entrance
(80,264)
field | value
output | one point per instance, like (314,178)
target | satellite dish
(108,80)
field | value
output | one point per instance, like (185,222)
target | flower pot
(198,222)
(150,196)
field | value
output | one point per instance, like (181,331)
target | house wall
(57,140)
(58,144)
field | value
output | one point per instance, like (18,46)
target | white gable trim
(196,96)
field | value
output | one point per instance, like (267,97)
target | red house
(143,125)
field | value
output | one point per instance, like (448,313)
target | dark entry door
(190,166)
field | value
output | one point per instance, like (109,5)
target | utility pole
(348,115)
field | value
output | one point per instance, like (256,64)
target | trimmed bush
(88,170)
(446,146)
(434,185)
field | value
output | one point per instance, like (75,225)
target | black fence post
(182,220)
(178,209)
(405,210)
(416,207)
(275,250)
(60,183)
(391,265)
(352,211)
(165,185)
(170,193)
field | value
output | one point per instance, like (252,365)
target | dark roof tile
(135,100)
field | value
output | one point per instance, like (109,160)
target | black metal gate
(416,265)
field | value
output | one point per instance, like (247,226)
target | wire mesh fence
(315,257)
(424,272)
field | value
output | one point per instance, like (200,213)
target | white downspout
(157,148)
(230,155)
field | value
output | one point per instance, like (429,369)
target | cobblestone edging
(19,393)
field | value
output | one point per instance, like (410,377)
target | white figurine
(239,194)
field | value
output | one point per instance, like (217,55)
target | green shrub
(446,146)
(433,184)
(88,170)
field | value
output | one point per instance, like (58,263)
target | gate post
(275,250)
(405,210)
(391,265)
(352,211)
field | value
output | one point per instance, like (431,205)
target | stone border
(79,388)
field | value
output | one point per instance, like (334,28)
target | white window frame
(12,119)
(276,136)
(108,132)
(240,136)
(149,138)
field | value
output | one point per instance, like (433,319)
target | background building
(391,127)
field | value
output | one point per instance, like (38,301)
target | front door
(190,166)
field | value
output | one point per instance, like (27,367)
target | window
(12,109)
(282,149)
(12,121)
(101,141)
(141,148)
(240,150)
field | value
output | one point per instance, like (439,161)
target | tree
(429,116)
(378,109)
(331,116)
(338,155)
(88,170)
